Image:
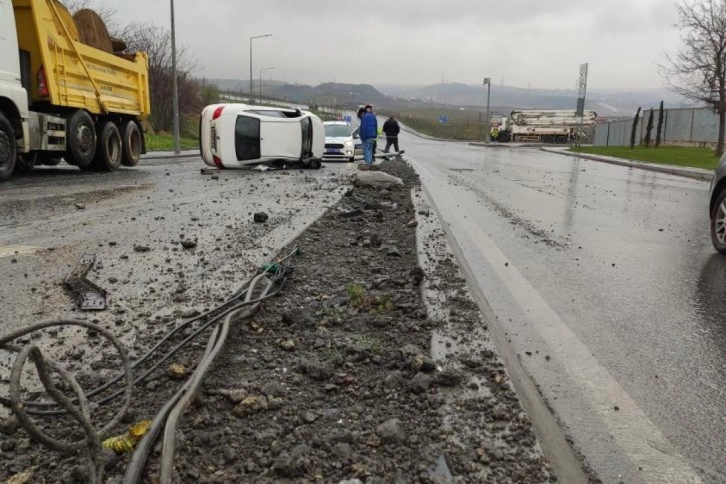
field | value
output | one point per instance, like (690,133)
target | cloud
(418,41)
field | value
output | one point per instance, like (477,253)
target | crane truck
(63,99)
(544,126)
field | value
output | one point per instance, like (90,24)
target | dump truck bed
(76,75)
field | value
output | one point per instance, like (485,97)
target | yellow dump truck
(63,97)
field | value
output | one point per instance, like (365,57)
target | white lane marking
(641,441)
(10,250)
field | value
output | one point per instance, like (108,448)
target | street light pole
(175,84)
(261,71)
(252,79)
(488,84)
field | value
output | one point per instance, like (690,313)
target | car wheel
(315,164)
(718,223)
(352,159)
(8,155)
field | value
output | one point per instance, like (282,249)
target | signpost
(581,94)
(488,84)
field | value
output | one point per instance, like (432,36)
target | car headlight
(348,143)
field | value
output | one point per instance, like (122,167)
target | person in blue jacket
(368,133)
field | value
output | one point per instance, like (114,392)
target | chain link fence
(697,127)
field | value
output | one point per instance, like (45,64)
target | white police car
(341,141)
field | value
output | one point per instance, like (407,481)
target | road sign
(443,119)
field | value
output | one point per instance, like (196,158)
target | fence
(681,127)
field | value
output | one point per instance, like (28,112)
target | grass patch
(666,155)
(165,142)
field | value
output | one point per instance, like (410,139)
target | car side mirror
(356,134)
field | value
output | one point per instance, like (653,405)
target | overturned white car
(239,135)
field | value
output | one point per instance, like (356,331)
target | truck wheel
(81,139)
(109,151)
(26,162)
(7,148)
(131,135)
(561,140)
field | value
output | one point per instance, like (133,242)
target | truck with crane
(63,94)
(544,126)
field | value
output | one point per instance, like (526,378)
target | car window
(247,138)
(307,137)
(337,130)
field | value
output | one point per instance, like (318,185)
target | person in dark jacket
(368,133)
(391,128)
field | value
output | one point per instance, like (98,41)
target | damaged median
(335,379)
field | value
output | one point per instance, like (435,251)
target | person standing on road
(368,133)
(391,128)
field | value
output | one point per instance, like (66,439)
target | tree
(649,129)
(635,129)
(107,14)
(659,131)
(698,70)
(156,42)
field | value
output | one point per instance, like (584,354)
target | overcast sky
(540,42)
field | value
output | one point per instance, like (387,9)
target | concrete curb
(165,155)
(506,145)
(694,173)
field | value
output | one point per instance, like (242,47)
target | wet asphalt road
(133,220)
(604,280)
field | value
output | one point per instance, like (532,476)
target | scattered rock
(420,383)
(319,371)
(448,377)
(298,317)
(190,313)
(412,224)
(287,345)
(391,432)
(393,252)
(250,405)
(295,463)
(309,417)
(273,390)
(261,217)
(80,206)
(142,248)
(177,371)
(416,276)
(188,243)
(423,363)
(234,396)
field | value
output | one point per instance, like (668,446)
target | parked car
(717,207)
(341,141)
(238,135)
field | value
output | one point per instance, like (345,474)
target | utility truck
(61,98)
(544,126)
